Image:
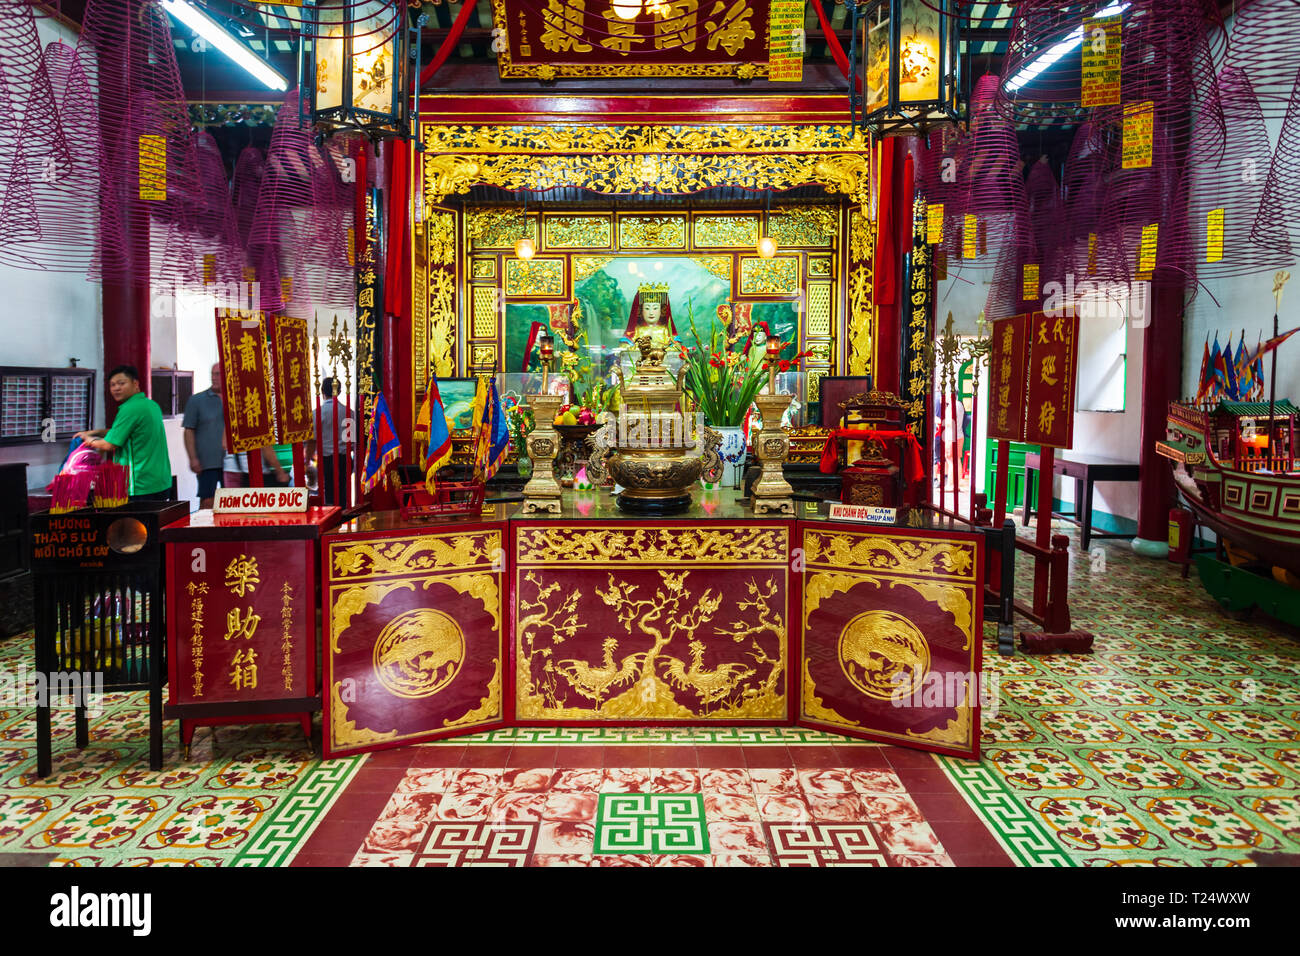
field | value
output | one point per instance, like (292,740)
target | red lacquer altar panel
(413,632)
(892,623)
(242,622)
(652,621)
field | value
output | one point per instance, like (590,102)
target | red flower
(784,365)
(716,362)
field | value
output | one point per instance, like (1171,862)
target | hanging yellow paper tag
(286,288)
(1214,235)
(153,168)
(250,274)
(934,223)
(785,40)
(1101,61)
(1139,120)
(1147,254)
(970,237)
(1092,252)
(1029,282)
(352,246)
(209,267)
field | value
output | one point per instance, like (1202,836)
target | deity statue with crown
(651,315)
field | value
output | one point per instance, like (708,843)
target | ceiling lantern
(354,59)
(905,56)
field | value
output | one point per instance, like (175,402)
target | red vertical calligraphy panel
(290,350)
(1053,362)
(243,621)
(246,379)
(1007,362)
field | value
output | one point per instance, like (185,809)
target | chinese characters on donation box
(247,629)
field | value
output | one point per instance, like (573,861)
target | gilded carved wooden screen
(821,273)
(598,257)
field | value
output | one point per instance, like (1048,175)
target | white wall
(48,318)
(1245,302)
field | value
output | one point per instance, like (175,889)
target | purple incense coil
(33,151)
(1265,45)
(214,222)
(1229,160)
(324,262)
(990,188)
(127,54)
(281,229)
(245,184)
(1279,209)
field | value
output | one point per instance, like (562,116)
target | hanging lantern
(354,58)
(905,54)
(525,248)
(767,247)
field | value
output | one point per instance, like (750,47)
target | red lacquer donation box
(241,617)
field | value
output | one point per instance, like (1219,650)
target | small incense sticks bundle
(70,492)
(110,485)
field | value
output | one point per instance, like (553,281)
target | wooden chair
(870,469)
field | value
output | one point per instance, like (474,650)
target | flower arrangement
(723,379)
(592,395)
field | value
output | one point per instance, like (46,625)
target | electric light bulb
(767,247)
(626,9)
(525,248)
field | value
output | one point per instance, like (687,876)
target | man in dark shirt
(205,430)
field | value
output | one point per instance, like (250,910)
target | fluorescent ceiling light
(211,31)
(1057,51)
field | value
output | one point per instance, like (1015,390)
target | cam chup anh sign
(546,39)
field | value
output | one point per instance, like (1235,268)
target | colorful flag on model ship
(383,446)
(1241,368)
(1257,370)
(1219,361)
(1271,344)
(432,429)
(1230,373)
(1204,384)
(492,439)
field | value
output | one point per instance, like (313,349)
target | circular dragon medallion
(418,653)
(883,654)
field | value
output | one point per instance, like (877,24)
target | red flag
(1271,344)
(1203,384)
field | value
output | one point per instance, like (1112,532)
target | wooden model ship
(1236,469)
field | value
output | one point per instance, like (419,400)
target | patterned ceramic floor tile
(653,823)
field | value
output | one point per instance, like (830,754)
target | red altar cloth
(912,468)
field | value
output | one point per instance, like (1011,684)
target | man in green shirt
(137,438)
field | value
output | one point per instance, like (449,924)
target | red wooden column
(1162,372)
(125,293)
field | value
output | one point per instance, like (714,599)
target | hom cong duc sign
(259,500)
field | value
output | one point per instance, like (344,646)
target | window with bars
(31,396)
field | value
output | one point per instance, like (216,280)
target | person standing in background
(205,429)
(335,465)
(277,466)
(137,438)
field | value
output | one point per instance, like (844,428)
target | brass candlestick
(542,494)
(772,494)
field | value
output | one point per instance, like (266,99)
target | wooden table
(1086,470)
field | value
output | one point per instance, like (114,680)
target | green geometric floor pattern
(250,799)
(1176,743)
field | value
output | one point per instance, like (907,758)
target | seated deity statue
(652,316)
